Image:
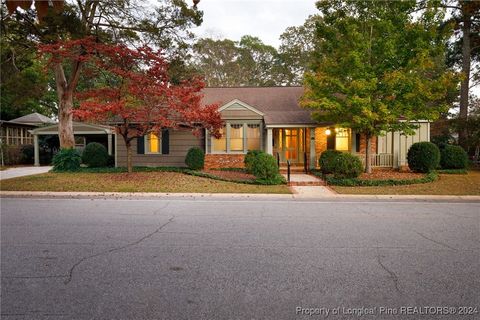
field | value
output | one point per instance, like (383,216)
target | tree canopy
(376,65)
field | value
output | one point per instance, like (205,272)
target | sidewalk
(305,194)
(23,171)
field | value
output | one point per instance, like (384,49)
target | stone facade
(320,140)
(214,161)
(363,144)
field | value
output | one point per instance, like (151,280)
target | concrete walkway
(312,192)
(23,171)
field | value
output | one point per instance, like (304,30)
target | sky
(266,19)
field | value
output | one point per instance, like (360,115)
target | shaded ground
(391,174)
(132,182)
(447,184)
(234,175)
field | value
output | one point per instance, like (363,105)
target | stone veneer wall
(363,144)
(321,142)
(214,161)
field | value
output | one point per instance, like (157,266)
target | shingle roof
(34,118)
(279,104)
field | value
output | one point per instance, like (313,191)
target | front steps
(302,179)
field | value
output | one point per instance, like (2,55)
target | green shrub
(11,154)
(423,157)
(265,167)
(250,158)
(95,155)
(195,158)
(66,160)
(355,182)
(327,160)
(453,157)
(347,166)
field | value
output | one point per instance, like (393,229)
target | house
(16,132)
(269,119)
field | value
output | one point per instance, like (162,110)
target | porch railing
(379,159)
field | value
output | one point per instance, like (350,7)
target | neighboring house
(16,132)
(269,119)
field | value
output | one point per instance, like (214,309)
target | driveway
(22,171)
(238,259)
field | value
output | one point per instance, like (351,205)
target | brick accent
(214,161)
(363,144)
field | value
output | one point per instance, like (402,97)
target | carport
(80,129)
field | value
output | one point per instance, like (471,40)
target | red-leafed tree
(131,88)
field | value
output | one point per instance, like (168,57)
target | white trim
(101,129)
(243,104)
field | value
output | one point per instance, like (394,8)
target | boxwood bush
(265,167)
(423,157)
(327,160)
(66,160)
(95,155)
(250,158)
(195,158)
(347,166)
(453,157)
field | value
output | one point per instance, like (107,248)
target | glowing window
(220,144)
(153,143)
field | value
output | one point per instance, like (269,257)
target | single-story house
(269,119)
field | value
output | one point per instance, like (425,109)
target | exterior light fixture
(328,132)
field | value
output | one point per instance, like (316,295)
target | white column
(109,144)
(269,146)
(312,149)
(36,150)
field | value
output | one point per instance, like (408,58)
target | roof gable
(238,105)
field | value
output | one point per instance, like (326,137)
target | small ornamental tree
(132,89)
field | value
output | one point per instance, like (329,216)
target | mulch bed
(233,175)
(386,174)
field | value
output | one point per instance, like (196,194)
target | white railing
(379,160)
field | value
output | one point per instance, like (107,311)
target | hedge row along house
(268,119)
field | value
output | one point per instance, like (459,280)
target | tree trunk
(65,106)
(464,87)
(129,156)
(368,158)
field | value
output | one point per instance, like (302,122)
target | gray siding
(180,142)
(240,114)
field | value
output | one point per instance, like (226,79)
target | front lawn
(174,182)
(446,184)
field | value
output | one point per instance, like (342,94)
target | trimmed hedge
(195,158)
(423,157)
(429,177)
(453,157)
(265,167)
(66,160)
(250,158)
(347,166)
(95,155)
(327,160)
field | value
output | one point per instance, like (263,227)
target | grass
(446,184)
(171,182)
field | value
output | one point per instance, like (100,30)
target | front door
(291,145)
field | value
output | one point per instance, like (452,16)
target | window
(220,145)
(236,137)
(152,145)
(253,137)
(342,139)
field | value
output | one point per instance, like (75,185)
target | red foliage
(135,92)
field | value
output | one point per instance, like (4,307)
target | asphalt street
(239,259)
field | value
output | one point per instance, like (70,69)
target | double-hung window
(152,143)
(236,137)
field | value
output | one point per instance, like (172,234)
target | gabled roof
(280,105)
(242,104)
(34,118)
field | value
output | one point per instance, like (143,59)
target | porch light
(328,132)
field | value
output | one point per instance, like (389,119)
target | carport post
(36,150)
(109,144)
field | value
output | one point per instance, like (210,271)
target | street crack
(392,274)
(435,241)
(131,244)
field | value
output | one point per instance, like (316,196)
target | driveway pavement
(238,259)
(22,171)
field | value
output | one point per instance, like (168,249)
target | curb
(294,196)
